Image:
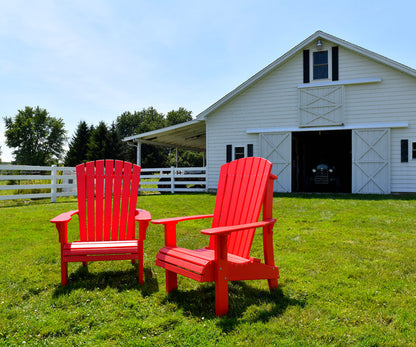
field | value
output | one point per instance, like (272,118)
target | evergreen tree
(78,146)
(116,150)
(99,143)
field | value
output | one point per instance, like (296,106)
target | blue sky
(95,59)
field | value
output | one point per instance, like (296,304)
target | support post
(139,153)
(53,183)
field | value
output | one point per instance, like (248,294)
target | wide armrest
(229,229)
(64,217)
(180,219)
(142,216)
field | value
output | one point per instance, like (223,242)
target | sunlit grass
(347,265)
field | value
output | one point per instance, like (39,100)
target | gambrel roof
(317,35)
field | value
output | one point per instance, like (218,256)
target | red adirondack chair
(245,185)
(107,196)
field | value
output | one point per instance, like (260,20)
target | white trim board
(343,82)
(343,127)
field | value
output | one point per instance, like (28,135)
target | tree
(37,137)
(185,157)
(115,143)
(98,144)
(180,116)
(138,122)
(77,152)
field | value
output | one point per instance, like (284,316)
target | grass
(347,265)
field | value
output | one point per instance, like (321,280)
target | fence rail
(31,182)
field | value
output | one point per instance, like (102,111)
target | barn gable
(324,106)
(324,102)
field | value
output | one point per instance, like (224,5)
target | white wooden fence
(31,182)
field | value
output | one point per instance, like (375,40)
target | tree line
(37,138)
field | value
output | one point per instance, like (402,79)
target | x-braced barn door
(371,161)
(277,148)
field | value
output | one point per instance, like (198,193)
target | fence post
(53,183)
(172,179)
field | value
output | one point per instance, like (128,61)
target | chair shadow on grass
(121,280)
(251,304)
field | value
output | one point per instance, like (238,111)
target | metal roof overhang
(189,135)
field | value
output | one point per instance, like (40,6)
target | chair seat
(197,264)
(100,247)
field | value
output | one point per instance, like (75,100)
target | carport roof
(189,135)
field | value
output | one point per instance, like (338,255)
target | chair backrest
(240,194)
(107,197)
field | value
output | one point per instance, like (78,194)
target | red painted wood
(118,173)
(107,197)
(125,200)
(99,192)
(108,205)
(244,187)
(133,202)
(90,182)
(82,207)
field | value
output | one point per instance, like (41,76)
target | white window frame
(244,151)
(311,52)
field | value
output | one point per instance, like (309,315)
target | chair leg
(140,260)
(221,296)
(171,281)
(64,273)
(84,263)
(273,284)
(140,268)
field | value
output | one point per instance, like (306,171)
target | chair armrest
(180,219)
(61,223)
(64,217)
(142,216)
(229,229)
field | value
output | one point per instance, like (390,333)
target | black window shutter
(229,153)
(335,65)
(404,151)
(306,66)
(249,150)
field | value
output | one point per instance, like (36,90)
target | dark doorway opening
(321,161)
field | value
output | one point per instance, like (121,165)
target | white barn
(325,101)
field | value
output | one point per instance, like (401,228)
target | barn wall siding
(273,101)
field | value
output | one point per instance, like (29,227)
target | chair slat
(90,200)
(108,208)
(126,183)
(118,174)
(99,193)
(82,207)
(133,201)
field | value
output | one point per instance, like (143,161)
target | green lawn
(347,266)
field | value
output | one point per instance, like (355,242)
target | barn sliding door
(371,161)
(277,148)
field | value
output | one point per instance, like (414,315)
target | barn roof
(192,134)
(317,35)
(189,135)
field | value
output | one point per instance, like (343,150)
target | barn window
(414,150)
(238,152)
(320,65)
